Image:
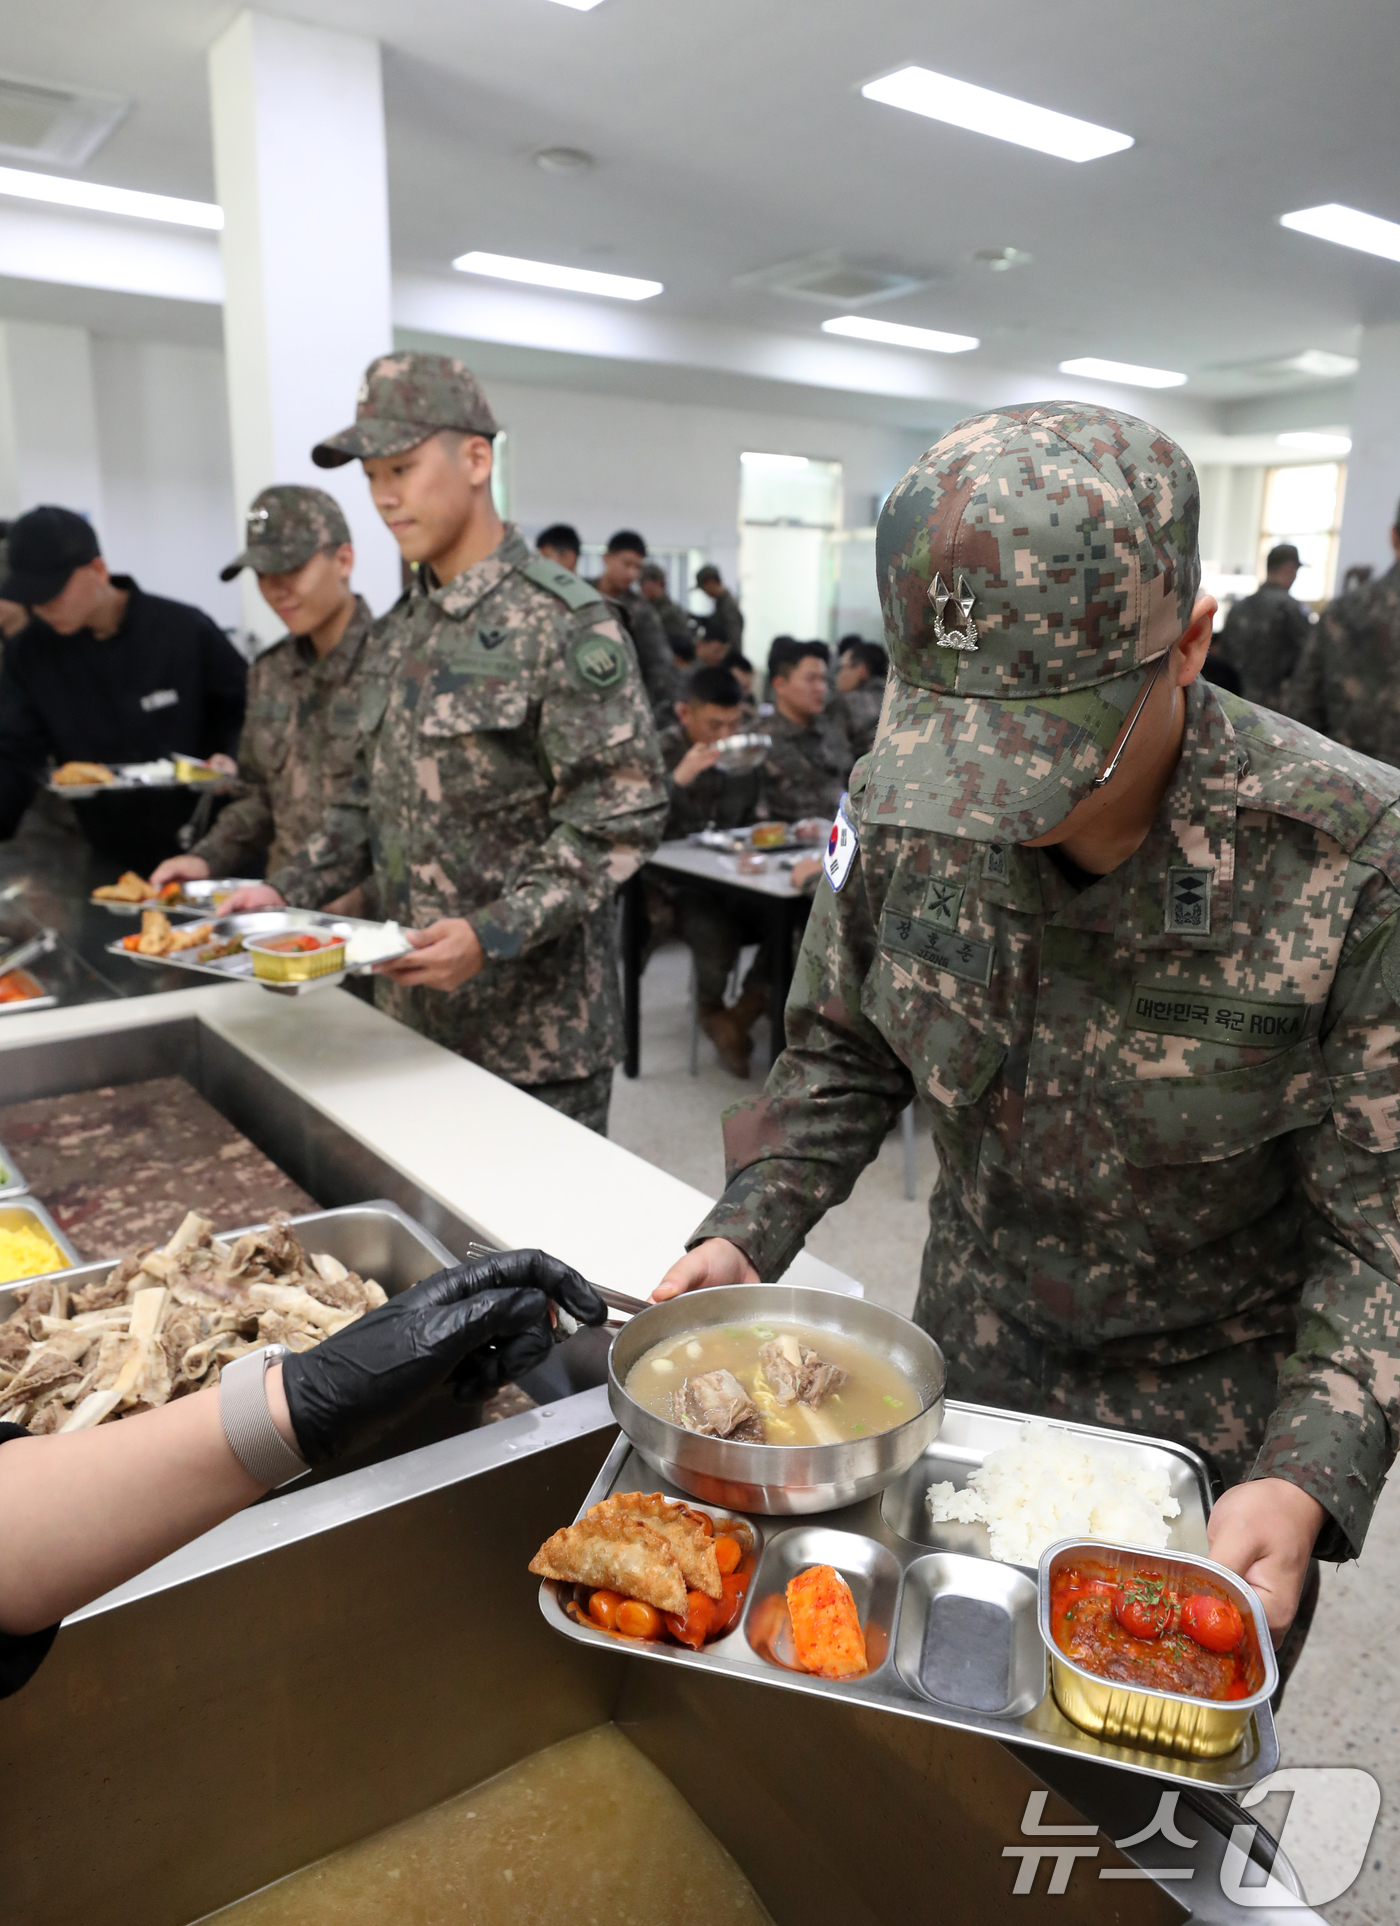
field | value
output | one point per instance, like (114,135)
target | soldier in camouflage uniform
(508,778)
(860,691)
(622,564)
(1347,683)
(1265,633)
(807,768)
(296,756)
(1136,945)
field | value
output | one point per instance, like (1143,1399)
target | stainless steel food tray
(125,783)
(14,1211)
(13,1182)
(45,1000)
(238,968)
(375,1239)
(908,1574)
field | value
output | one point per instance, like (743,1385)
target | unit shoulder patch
(598,661)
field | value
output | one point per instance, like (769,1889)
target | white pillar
(1373,467)
(48,422)
(299,169)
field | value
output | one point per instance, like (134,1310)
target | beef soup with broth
(772,1383)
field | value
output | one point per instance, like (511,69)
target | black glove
(476,1324)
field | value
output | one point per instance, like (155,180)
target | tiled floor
(1343,1704)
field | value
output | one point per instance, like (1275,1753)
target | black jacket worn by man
(169,680)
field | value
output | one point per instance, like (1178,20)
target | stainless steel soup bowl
(779,1478)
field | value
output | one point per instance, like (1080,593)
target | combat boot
(731,1042)
(750,1006)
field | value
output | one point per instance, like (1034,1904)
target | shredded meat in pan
(165,1321)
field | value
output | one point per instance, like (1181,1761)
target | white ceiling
(731,135)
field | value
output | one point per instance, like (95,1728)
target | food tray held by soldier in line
(225,958)
(952,1636)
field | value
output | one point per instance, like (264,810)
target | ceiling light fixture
(563,160)
(60,191)
(751,458)
(895,335)
(1127,372)
(544,274)
(1000,259)
(1348,227)
(1316,443)
(579,6)
(918,90)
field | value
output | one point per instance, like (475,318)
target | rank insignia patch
(994,861)
(1188,901)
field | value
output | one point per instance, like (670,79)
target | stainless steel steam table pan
(375,1240)
(13,1183)
(952,1634)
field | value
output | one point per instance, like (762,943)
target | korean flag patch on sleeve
(841,847)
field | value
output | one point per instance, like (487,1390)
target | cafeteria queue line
(1126,940)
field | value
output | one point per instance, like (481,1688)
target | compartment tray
(927,1583)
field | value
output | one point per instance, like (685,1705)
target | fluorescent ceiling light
(939,97)
(1325,365)
(753,459)
(543,274)
(62,192)
(896,335)
(1317,443)
(1348,227)
(579,6)
(1125,371)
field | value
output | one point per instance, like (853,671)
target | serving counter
(348,1653)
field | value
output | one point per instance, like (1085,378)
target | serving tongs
(29,951)
(621,1307)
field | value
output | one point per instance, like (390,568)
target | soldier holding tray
(1134,943)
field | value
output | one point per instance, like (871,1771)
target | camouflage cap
(286,526)
(1029,566)
(403,399)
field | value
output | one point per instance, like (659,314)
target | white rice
(1054,1484)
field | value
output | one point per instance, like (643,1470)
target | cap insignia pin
(952,638)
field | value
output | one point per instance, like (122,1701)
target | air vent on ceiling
(833,281)
(1308,366)
(62,126)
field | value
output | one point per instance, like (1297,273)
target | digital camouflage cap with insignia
(403,399)
(286,526)
(1029,566)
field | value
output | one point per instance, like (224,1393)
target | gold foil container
(189,769)
(1174,1722)
(293,966)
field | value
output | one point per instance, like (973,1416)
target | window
(1303,505)
(789,517)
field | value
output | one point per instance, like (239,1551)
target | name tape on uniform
(1217,1019)
(958,955)
(841,847)
(160,699)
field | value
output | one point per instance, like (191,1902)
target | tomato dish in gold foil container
(1152,1648)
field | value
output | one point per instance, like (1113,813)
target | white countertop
(515,1170)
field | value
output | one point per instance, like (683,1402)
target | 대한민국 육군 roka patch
(598,661)
(1253,1022)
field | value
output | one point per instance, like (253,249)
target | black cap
(42,550)
(1280,555)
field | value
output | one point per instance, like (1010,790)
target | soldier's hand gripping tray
(508,774)
(1166,1105)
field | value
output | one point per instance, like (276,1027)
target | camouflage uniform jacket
(713,800)
(725,622)
(642,624)
(508,774)
(1166,1108)
(808,766)
(1347,683)
(1262,639)
(674,620)
(859,709)
(296,756)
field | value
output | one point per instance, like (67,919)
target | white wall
(672,470)
(48,425)
(169,515)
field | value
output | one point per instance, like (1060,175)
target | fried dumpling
(693,1547)
(618,1554)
